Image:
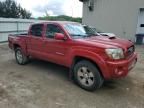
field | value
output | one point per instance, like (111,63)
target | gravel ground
(42,84)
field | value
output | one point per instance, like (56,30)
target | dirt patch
(3,92)
(45,85)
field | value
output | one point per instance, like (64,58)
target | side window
(36,30)
(52,29)
(142,25)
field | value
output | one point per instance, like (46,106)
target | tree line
(61,18)
(10,9)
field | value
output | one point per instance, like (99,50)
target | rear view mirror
(59,36)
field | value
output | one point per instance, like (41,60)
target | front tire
(20,57)
(87,75)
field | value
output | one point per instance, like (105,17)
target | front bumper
(118,69)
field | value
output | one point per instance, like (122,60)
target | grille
(130,50)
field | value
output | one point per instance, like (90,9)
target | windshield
(78,30)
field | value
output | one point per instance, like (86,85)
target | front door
(55,50)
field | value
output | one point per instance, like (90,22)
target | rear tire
(20,57)
(87,75)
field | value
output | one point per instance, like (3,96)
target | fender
(96,58)
(21,42)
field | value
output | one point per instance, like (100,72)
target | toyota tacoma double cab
(91,58)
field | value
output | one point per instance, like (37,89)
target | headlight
(115,53)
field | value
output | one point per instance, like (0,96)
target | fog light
(118,71)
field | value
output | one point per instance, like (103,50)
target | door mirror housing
(59,36)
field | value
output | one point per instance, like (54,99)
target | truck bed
(19,34)
(17,39)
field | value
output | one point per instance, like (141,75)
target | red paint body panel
(63,52)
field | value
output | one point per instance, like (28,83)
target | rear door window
(36,30)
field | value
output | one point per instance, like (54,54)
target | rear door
(35,44)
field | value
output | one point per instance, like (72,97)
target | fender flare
(96,58)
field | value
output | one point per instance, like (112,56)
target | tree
(25,14)
(1,9)
(10,9)
(61,18)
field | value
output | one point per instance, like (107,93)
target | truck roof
(57,22)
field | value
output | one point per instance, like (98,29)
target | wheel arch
(80,58)
(16,46)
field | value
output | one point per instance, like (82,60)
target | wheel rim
(85,76)
(19,56)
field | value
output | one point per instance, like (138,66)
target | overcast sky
(53,7)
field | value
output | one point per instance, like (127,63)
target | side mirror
(59,36)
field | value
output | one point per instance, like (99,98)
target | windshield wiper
(80,35)
(91,35)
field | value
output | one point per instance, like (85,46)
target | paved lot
(45,85)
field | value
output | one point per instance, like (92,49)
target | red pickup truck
(91,58)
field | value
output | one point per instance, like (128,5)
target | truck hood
(107,42)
